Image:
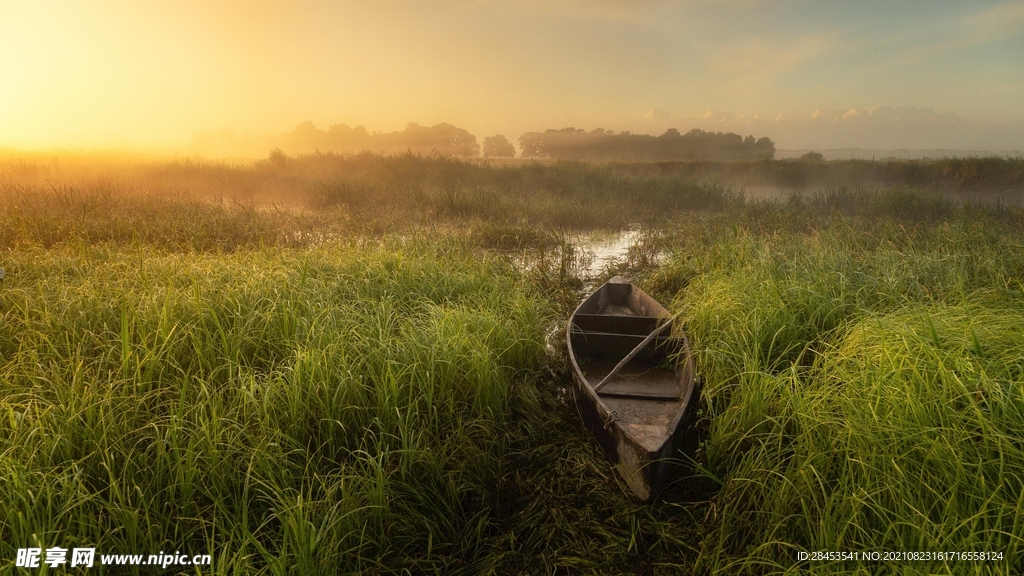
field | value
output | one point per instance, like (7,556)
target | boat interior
(608,326)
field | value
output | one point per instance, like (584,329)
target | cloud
(611,10)
(983,27)
(712,116)
(658,115)
(881,115)
(603,10)
(825,115)
(1001,20)
(733,119)
(890,127)
(764,58)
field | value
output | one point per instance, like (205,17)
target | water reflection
(606,249)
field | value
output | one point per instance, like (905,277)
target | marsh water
(604,249)
(601,250)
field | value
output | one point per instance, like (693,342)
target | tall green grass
(285,412)
(341,364)
(865,388)
(380,407)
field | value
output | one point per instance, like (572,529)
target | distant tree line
(446,139)
(573,143)
(441,138)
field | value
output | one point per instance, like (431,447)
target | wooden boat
(639,414)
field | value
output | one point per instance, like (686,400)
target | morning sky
(873,74)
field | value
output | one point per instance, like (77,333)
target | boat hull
(640,417)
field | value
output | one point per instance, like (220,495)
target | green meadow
(352,364)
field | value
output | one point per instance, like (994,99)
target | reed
(344,364)
(278,410)
(863,383)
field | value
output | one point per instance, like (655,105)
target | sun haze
(149,75)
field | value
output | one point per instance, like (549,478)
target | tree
(813,157)
(278,159)
(441,138)
(454,140)
(532,144)
(498,146)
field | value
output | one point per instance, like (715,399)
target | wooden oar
(638,348)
